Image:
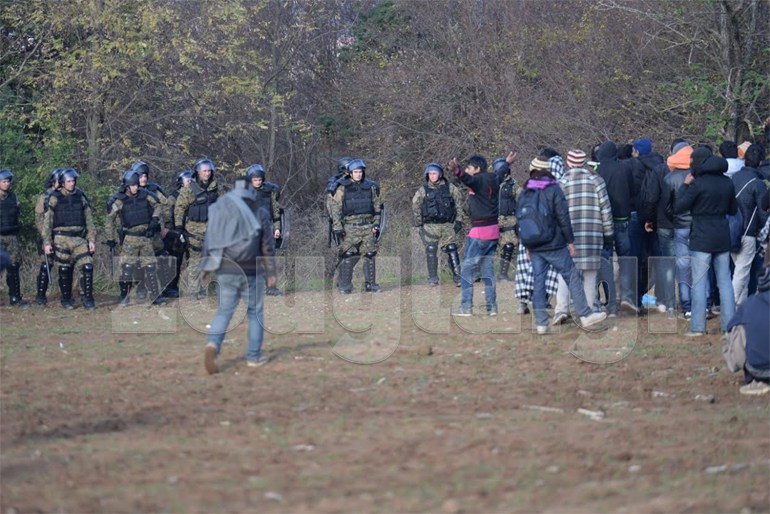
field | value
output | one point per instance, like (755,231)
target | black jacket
(672,185)
(553,197)
(753,196)
(709,198)
(617,176)
(482,197)
(648,201)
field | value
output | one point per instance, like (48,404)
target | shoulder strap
(745,186)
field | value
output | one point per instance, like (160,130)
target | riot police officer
(509,190)
(175,241)
(268,197)
(436,206)
(140,215)
(9,236)
(69,234)
(191,217)
(53,182)
(356,214)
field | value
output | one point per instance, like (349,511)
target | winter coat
(709,198)
(752,314)
(483,191)
(617,176)
(672,183)
(753,196)
(553,197)
(590,214)
(648,203)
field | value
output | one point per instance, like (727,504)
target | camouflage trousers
(358,239)
(441,233)
(137,251)
(12,245)
(196,232)
(71,251)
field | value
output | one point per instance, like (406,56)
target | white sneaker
(559,318)
(661,308)
(755,388)
(592,319)
(542,329)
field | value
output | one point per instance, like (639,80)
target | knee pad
(88,267)
(349,254)
(370,255)
(508,247)
(451,247)
(432,248)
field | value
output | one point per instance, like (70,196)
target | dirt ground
(400,411)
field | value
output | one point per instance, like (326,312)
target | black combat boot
(431,254)
(370,274)
(505,262)
(151,279)
(14,285)
(65,286)
(88,286)
(126,274)
(345,279)
(454,263)
(42,285)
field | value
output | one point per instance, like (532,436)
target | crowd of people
(590,236)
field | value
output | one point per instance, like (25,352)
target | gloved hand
(111,243)
(458,227)
(376,231)
(609,243)
(154,227)
(338,235)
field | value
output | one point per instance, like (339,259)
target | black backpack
(536,224)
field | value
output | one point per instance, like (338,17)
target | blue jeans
(233,288)
(565,266)
(683,270)
(701,262)
(628,269)
(479,253)
(665,268)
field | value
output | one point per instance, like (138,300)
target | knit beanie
(538,164)
(576,158)
(742,148)
(677,144)
(643,146)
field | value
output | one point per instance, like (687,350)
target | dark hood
(711,165)
(607,151)
(651,161)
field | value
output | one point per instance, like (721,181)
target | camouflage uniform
(437,210)
(9,240)
(191,216)
(509,240)
(68,226)
(356,212)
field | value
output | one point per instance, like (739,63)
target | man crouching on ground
(239,246)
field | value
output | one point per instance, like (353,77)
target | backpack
(248,248)
(535,222)
(735,221)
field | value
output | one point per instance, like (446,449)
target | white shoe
(755,387)
(592,319)
(559,318)
(661,308)
(542,329)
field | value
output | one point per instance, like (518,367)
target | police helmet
(501,166)
(356,164)
(142,168)
(6,175)
(255,171)
(69,173)
(181,176)
(131,177)
(54,176)
(342,164)
(201,162)
(434,166)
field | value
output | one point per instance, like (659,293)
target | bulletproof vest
(70,209)
(9,215)
(359,198)
(155,188)
(438,206)
(136,210)
(265,196)
(507,200)
(199,209)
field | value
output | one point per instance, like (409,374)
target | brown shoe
(210,359)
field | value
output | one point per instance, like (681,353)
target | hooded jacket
(553,197)
(709,198)
(753,196)
(752,313)
(617,176)
(648,203)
